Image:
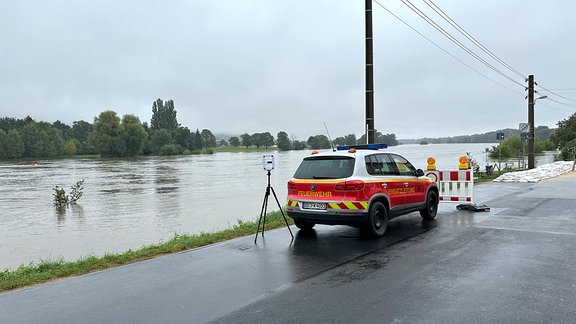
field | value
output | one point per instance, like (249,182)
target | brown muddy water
(129,203)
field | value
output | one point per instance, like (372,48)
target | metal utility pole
(531,121)
(369,76)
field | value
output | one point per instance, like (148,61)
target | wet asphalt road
(514,264)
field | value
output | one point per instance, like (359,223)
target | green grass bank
(47,270)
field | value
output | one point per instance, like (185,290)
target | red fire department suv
(362,186)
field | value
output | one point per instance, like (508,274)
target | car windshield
(325,167)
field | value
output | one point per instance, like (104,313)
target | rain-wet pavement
(513,264)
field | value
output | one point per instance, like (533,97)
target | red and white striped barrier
(454,186)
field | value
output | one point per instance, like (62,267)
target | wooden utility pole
(369,129)
(531,121)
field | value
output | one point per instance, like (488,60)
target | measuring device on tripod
(268,164)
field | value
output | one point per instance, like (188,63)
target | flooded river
(129,203)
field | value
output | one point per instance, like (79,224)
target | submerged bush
(60,197)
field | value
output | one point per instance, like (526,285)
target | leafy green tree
(246,139)
(543,145)
(267,139)
(283,141)
(262,139)
(133,134)
(54,144)
(70,147)
(41,140)
(508,148)
(163,115)
(234,141)
(183,137)
(9,123)
(389,139)
(170,149)
(33,140)
(319,142)
(349,139)
(65,130)
(565,138)
(543,132)
(79,132)
(257,140)
(197,140)
(106,138)
(299,145)
(14,145)
(159,139)
(514,147)
(208,139)
(11,145)
(2,144)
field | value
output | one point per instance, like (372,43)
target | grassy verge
(483,177)
(45,271)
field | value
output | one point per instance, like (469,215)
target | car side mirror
(419,172)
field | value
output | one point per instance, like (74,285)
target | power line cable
(466,49)
(554,93)
(563,89)
(443,50)
(562,103)
(554,108)
(457,42)
(449,20)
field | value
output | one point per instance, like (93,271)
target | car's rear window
(325,167)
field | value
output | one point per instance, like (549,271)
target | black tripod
(265,206)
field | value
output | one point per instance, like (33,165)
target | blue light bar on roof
(375,146)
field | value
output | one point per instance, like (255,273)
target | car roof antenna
(327,132)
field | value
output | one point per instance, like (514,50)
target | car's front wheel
(377,220)
(431,209)
(304,225)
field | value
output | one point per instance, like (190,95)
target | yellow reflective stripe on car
(350,205)
(334,206)
(357,205)
(291,203)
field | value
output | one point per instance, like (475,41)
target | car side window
(379,164)
(404,167)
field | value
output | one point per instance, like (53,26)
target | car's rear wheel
(303,225)
(377,220)
(431,209)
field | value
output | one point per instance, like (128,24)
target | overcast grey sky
(237,66)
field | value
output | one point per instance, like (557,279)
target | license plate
(314,205)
